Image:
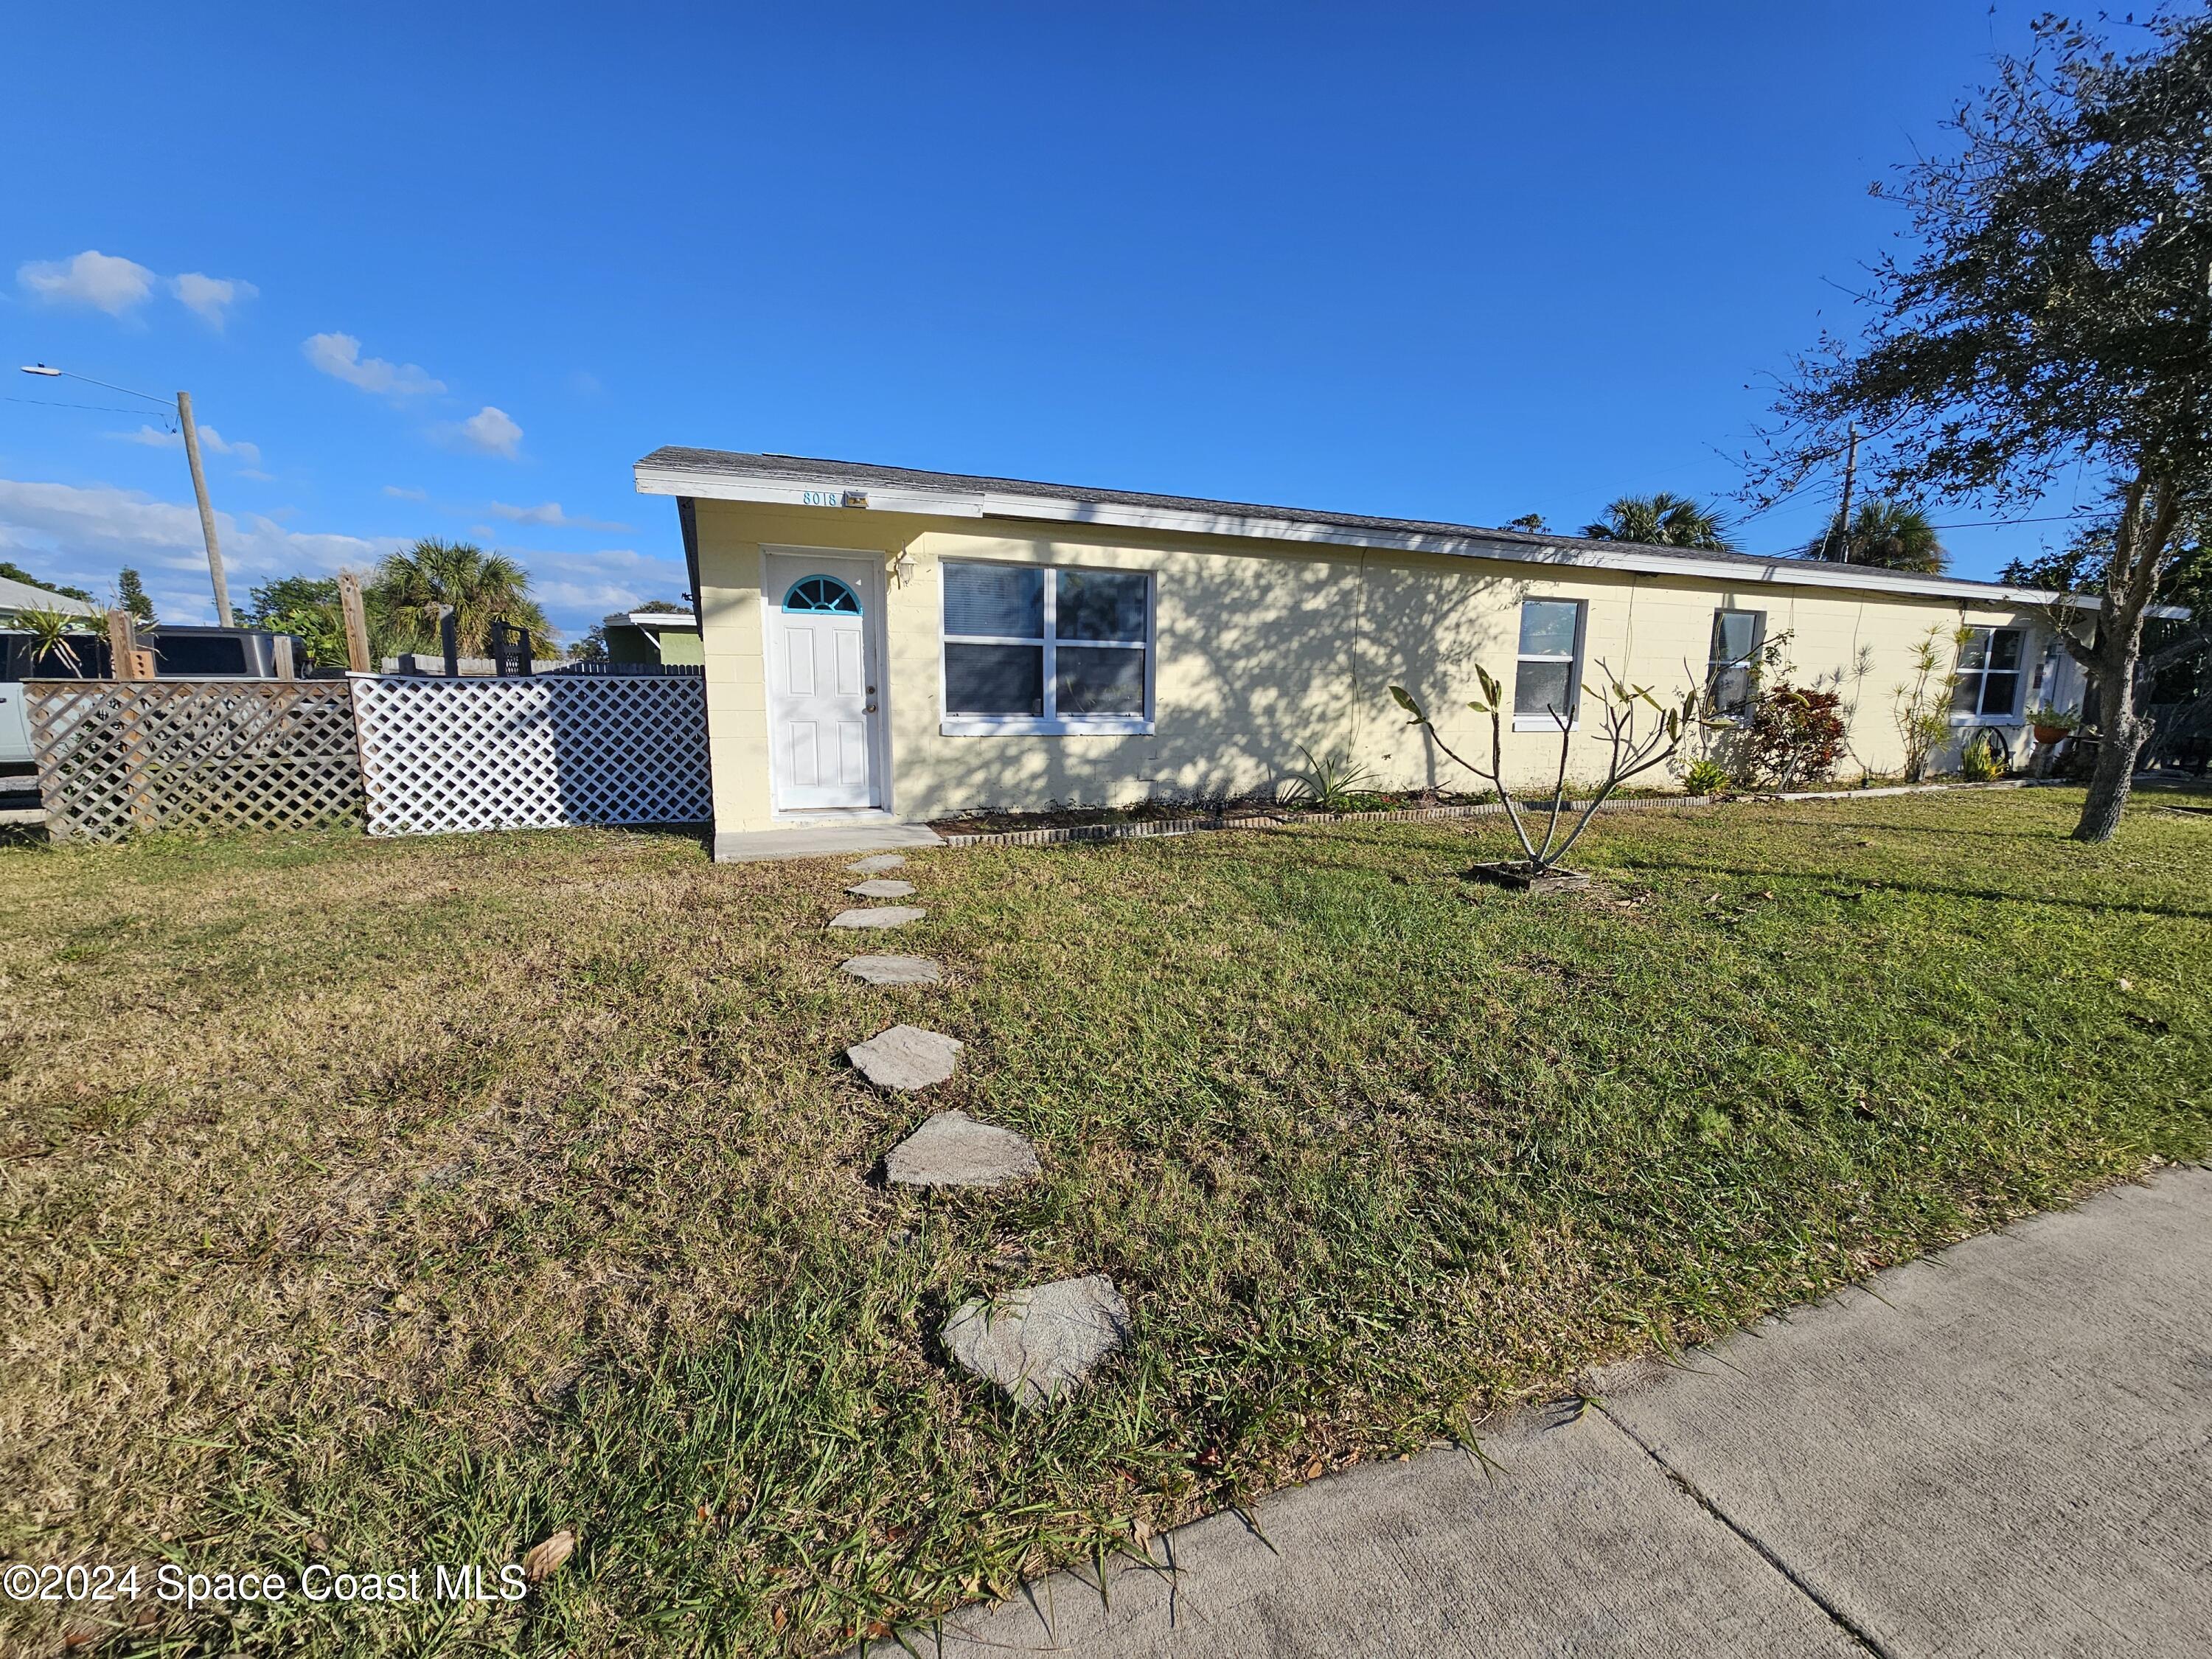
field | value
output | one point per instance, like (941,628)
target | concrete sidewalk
(2006,1449)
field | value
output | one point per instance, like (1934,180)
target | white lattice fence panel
(537,752)
(119,758)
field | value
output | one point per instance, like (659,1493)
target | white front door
(821,680)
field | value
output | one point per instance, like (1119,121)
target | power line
(1998,523)
(104,409)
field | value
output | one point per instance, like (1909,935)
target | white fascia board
(1063,509)
(782,492)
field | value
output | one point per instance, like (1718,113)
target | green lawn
(392,1203)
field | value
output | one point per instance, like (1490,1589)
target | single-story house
(892,646)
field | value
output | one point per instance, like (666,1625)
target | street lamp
(200,477)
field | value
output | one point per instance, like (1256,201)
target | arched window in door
(824,595)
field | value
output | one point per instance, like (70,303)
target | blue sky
(450,269)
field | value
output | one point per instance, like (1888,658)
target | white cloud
(102,281)
(401,493)
(578,589)
(83,536)
(211,443)
(211,295)
(550,514)
(339,355)
(491,430)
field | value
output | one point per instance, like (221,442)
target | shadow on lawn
(1837,884)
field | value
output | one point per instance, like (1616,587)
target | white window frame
(1980,676)
(1545,722)
(1716,666)
(1050,724)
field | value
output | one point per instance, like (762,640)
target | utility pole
(1843,512)
(207,513)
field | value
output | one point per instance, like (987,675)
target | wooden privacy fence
(410,756)
(538,752)
(119,757)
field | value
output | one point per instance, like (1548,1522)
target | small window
(1989,674)
(825,594)
(193,656)
(1737,635)
(1048,651)
(1547,679)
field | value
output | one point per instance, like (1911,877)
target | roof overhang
(731,484)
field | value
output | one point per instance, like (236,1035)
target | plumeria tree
(1639,732)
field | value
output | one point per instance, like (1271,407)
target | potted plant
(2052,725)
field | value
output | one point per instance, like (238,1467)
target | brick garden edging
(1196,826)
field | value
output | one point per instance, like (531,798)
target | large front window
(1028,649)
(1989,674)
(1547,677)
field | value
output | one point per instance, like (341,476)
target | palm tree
(1662,521)
(1892,535)
(413,587)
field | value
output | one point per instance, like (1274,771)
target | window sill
(1543,723)
(1005,725)
(1966,722)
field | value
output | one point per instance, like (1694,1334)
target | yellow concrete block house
(885,646)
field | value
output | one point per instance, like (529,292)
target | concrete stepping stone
(878,916)
(1038,1344)
(878,862)
(894,970)
(952,1149)
(880,889)
(906,1057)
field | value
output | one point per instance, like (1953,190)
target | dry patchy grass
(386,1202)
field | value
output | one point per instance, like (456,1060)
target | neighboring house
(16,596)
(888,644)
(667,637)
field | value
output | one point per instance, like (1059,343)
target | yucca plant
(54,634)
(1706,776)
(1330,784)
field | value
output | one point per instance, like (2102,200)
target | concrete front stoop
(822,840)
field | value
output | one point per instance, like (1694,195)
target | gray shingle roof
(808,470)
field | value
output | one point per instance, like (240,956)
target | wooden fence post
(281,649)
(122,644)
(356,621)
